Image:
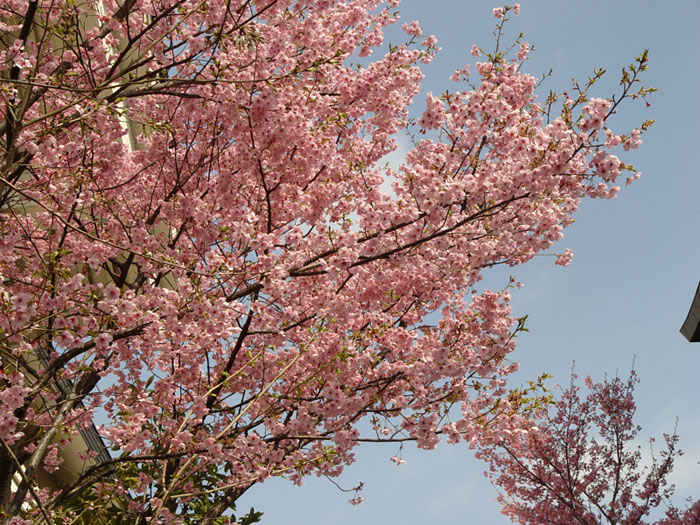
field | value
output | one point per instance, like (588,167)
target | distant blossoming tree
(196,250)
(578,463)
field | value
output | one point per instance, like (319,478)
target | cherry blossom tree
(200,251)
(579,463)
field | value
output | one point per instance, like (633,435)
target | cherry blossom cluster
(195,243)
(577,462)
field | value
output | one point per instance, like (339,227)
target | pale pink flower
(111,292)
(413,28)
(564,259)
(524,51)
(20,301)
(397,460)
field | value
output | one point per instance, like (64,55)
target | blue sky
(635,269)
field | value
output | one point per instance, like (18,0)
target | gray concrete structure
(691,326)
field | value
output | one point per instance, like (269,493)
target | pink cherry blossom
(397,460)
(198,242)
(564,259)
(413,28)
(578,461)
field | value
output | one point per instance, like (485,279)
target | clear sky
(627,291)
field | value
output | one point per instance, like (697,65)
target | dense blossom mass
(199,249)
